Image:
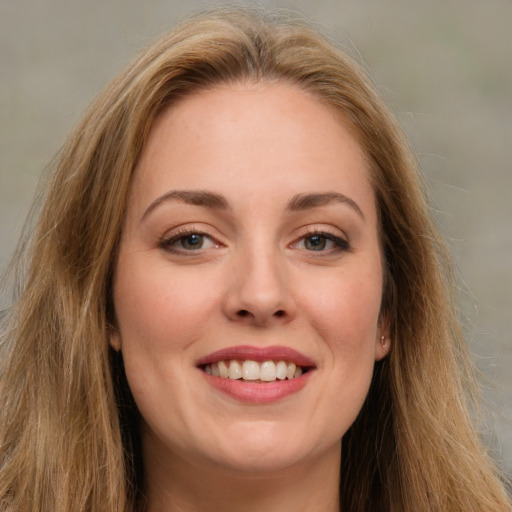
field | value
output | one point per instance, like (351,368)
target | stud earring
(383,341)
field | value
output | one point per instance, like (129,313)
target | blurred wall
(445,67)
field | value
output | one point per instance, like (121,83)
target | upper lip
(259,354)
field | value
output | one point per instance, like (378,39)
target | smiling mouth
(254,371)
(257,375)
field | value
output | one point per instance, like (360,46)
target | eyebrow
(215,201)
(194,197)
(307,201)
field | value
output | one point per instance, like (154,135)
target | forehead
(254,136)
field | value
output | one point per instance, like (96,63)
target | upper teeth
(252,370)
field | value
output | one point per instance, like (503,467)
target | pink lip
(259,354)
(253,393)
(258,393)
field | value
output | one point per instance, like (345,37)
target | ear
(115,338)
(383,341)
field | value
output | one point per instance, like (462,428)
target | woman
(234,298)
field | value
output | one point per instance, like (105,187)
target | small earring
(383,341)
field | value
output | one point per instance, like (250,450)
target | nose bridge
(259,290)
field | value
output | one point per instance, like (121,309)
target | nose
(259,291)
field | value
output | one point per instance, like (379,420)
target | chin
(267,447)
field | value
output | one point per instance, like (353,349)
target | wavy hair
(68,430)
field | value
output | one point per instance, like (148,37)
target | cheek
(158,307)
(160,313)
(345,310)
(346,316)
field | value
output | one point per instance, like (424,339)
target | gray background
(445,67)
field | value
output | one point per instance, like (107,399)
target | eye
(322,242)
(188,241)
(192,242)
(315,243)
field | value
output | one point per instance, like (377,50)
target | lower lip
(258,393)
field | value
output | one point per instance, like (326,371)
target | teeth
(250,370)
(223,369)
(281,370)
(267,371)
(235,370)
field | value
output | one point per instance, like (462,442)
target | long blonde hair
(69,426)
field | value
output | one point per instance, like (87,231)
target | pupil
(315,242)
(192,242)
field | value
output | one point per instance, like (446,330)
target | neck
(178,485)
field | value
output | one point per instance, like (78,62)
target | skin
(256,281)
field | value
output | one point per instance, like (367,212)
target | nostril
(243,313)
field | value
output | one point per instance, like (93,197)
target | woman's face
(250,248)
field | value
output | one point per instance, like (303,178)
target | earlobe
(383,344)
(115,339)
(383,347)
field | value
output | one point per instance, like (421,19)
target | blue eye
(323,242)
(187,242)
(315,243)
(192,242)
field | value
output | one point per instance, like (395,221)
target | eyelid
(321,229)
(331,233)
(173,235)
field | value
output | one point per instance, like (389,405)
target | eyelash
(166,243)
(341,243)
